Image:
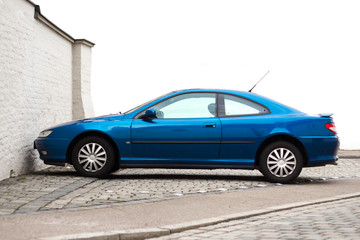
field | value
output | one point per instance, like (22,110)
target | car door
(244,126)
(184,130)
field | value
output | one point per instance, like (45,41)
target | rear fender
(280,131)
(282,136)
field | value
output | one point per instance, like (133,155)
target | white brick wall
(81,80)
(36,84)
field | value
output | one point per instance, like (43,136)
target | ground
(334,220)
(59,190)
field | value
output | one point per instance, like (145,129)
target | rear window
(237,106)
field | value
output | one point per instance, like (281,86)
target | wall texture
(44,81)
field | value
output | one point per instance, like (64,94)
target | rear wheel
(93,157)
(281,162)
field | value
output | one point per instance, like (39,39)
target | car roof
(274,106)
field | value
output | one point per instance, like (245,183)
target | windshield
(144,104)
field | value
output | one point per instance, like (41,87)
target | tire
(281,162)
(93,157)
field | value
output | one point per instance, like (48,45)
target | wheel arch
(98,134)
(282,137)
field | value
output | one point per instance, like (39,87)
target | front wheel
(93,157)
(281,162)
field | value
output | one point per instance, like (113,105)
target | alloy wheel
(92,157)
(281,162)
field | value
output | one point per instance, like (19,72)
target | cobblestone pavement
(334,220)
(60,188)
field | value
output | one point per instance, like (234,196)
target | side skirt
(186,166)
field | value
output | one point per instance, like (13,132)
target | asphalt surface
(140,203)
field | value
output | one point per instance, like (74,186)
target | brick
(36,86)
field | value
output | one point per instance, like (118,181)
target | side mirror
(150,113)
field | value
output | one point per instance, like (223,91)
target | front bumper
(52,150)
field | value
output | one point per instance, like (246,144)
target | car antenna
(259,80)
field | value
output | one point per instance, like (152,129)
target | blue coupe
(197,128)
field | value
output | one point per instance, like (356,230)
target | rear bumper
(323,162)
(321,150)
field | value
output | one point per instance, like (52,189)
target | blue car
(197,128)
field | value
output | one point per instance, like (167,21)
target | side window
(190,105)
(235,106)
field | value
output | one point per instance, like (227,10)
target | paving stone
(48,189)
(310,218)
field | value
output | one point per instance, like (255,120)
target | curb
(144,233)
(345,156)
(349,154)
(135,234)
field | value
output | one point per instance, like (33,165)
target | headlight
(44,134)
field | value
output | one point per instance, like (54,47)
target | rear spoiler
(326,115)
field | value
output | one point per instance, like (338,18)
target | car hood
(110,117)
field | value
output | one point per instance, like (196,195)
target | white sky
(147,48)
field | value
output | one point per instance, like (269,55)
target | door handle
(209,125)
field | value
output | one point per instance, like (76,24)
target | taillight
(331,127)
